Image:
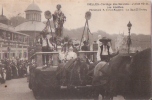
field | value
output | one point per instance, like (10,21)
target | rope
(89,28)
(88,31)
(83,33)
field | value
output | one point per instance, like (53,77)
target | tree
(17,20)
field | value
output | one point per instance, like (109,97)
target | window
(34,16)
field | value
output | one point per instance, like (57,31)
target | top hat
(104,39)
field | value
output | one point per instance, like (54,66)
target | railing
(91,55)
(54,57)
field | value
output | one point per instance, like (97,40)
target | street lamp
(129,25)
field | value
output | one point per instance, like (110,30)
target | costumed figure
(58,19)
(47,46)
(85,46)
(104,53)
(76,45)
(65,49)
(70,54)
(105,49)
(98,48)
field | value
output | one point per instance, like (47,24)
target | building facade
(13,44)
(33,26)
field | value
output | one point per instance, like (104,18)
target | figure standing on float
(46,46)
(58,19)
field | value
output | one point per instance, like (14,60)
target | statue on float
(58,20)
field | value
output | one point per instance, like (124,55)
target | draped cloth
(46,78)
(73,72)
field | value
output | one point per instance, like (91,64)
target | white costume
(44,41)
(99,44)
(71,55)
(67,55)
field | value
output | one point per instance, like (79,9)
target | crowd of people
(14,68)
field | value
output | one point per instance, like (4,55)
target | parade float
(62,78)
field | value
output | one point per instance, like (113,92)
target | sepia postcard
(75,50)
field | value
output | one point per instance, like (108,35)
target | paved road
(17,89)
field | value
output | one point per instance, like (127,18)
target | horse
(140,77)
(118,76)
(129,75)
(110,74)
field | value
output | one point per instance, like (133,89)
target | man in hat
(46,46)
(105,50)
(85,46)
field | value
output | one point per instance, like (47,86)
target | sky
(111,22)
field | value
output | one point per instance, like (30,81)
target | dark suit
(45,57)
